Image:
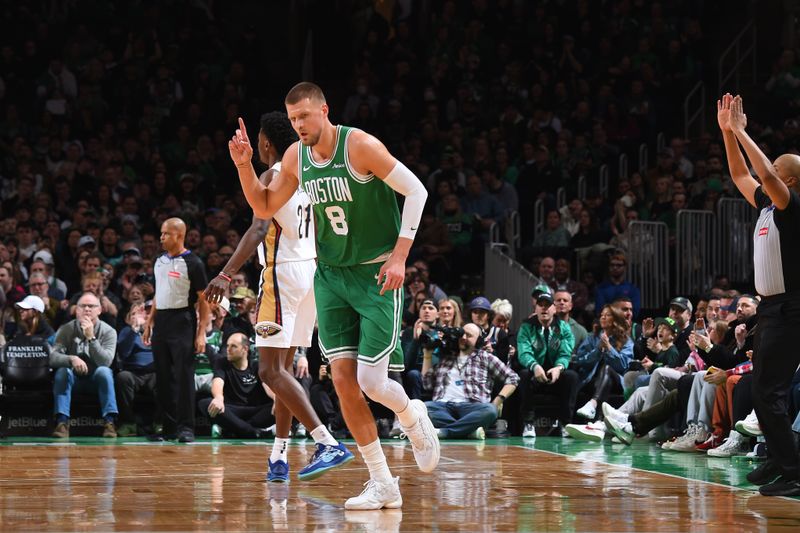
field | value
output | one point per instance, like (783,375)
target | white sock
(408,416)
(376,462)
(321,435)
(279,448)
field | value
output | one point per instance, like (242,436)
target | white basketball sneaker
(377,495)
(423,437)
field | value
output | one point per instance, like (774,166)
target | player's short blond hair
(304,89)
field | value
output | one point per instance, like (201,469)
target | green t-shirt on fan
(202,365)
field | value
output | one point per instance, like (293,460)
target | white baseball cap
(44,256)
(225,304)
(32,302)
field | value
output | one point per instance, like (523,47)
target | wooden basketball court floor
(544,484)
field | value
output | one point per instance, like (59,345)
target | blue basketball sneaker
(278,472)
(325,458)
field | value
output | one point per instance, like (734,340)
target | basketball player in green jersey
(362,246)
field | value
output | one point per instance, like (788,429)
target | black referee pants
(775,359)
(241,420)
(173,352)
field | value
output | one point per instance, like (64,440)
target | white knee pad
(372,380)
(375,382)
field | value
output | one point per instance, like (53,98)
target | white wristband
(402,180)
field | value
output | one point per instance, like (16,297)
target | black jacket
(726,354)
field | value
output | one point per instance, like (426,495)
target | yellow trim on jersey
(269,299)
(269,245)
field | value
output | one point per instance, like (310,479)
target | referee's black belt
(176,310)
(791,296)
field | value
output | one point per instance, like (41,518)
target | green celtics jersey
(357,219)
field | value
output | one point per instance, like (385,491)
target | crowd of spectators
(112,121)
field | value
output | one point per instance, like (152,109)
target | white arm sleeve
(406,183)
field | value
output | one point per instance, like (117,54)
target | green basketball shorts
(355,321)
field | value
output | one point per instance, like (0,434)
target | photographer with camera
(413,340)
(462,384)
(544,349)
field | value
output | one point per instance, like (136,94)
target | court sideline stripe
(730,487)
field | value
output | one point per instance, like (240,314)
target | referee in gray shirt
(776,249)
(175,331)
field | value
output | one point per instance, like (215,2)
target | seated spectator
(32,320)
(450,313)
(240,403)
(728,411)
(137,371)
(626,424)
(730,349)
(621,230)
(217,334)
(432,244)
(562,282)
(108,247)
(54,310)
(546,270)
(602,360)
(243,300)
(588,232)
(462,386)
(83,351)
(659,351)
(13,291)
(563,303)
(25,358)
(544,350)
(89,261)
(462,232)
(504,192)
(132,269)
(662,378)
(416,291)
(555,235)
(481,314)
(625,306)
(617,285)
(43,264)
(699,410)
(482,206)
(93,282)
(571,215)
(501,338)
(424,270)
(238,280)
(681,311)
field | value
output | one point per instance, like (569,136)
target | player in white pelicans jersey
(296,225)
(286,311)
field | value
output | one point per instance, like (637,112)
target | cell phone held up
(700,326)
